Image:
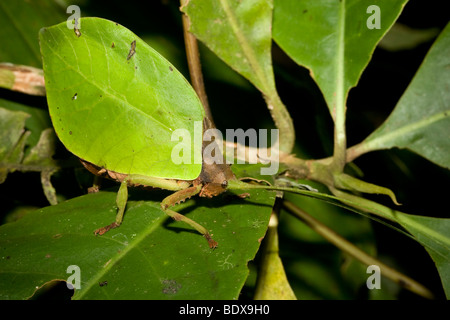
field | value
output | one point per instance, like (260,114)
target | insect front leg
(136,179)
(183,192)
(121,202)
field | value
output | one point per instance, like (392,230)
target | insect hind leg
(181,196)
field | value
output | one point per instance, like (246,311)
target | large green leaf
(239,32)
(421,120)
(148,257)
(115,102)
(331,38)
(20,21)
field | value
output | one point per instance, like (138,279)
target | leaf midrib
(386,139)
(246,48)
(131,245)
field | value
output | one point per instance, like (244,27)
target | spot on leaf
(170,286)
(132,50)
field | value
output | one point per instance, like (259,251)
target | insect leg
(178,197)
(179,217)
(121,201)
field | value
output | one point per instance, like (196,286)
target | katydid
(129,100)
(115,104)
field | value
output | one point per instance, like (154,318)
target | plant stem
(357,253)
(283,121)
(355,151)
(23,79)
(195,69)
(339,108)
(365,205)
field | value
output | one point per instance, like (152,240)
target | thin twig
(357,253)
(23,79)
(195,69)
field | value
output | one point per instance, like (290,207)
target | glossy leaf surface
(421,120)
(148,257)
(116,102)
(333,39)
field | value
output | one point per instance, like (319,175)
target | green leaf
(38,121)
(272,281)
(224,26)
(420,122)
(332,40)
(402,37)
(41,156)
(433,234)
(19,150)
(12,139)
(348,182)
(20,21)
(7,78)
(115,102)
(148,257)
(215,68)
(12,123)
(42,153)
